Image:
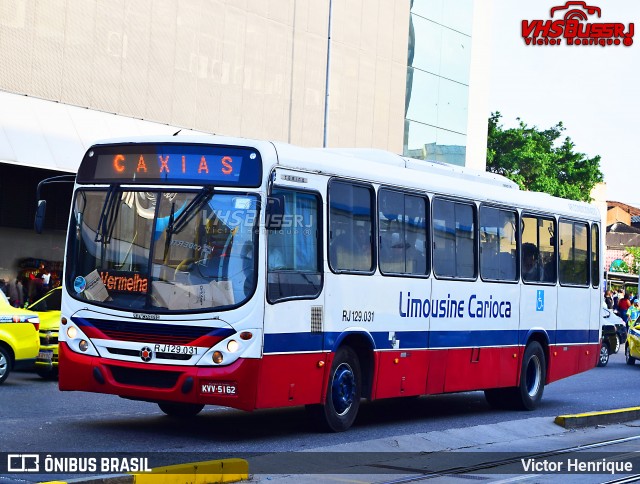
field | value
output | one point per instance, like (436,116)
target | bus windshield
(162,251)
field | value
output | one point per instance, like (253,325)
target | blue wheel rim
(343,389)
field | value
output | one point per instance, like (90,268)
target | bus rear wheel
(344,390)
(532,377)
(181,410)
(528,393)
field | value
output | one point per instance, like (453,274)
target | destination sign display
(178,164)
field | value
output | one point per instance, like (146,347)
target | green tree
(635,264)
(538,161)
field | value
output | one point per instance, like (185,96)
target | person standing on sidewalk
(633,312)
(623,306)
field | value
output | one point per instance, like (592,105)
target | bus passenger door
(539,299)
(293,322)
(538,309)
(572,353)
(597,302)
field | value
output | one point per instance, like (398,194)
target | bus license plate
(216,388)
(176,349)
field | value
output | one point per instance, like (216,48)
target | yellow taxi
(48,309)
(632,348)
(18,338)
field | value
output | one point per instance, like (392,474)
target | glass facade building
(438,68)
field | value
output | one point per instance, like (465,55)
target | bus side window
(293,249)
(574,256)
(498,244)
(453,239)
(538,263)
(351,227)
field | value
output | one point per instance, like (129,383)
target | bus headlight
(77,341)
(217,357)
(245,344)
(232,346)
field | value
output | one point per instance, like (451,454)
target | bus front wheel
(182,410)
(344,390)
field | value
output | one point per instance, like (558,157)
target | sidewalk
(428,453)
(462,453)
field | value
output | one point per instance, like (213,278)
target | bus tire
(532,377)
(181,410)
(344,390)
(6,363)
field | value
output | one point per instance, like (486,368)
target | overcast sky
(593,90)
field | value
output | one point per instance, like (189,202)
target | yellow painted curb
(207,472)
(596,418)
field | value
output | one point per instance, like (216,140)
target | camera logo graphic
(577,13)
(23,463)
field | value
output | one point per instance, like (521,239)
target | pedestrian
(608,299)
(14,298)
(20,288)
(633,312)
(46,279)
(623,306)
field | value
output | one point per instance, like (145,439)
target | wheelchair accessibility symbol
(540,301)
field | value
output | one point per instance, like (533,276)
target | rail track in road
(486,467)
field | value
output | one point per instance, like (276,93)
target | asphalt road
(35,416)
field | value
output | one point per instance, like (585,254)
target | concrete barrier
(591,419)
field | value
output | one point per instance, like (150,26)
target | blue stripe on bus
(458,339)
(570,336)
(295,342)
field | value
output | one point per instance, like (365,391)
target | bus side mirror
(275,212)
(40,213)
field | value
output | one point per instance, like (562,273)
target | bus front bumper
(230,386)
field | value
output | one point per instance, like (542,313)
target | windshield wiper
(181,221)
(108,215)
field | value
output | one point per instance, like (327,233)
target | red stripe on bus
(300,379)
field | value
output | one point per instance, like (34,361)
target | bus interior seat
(507,266)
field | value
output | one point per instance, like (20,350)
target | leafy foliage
(536,160)
(635,263)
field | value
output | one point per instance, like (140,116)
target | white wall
(479,80)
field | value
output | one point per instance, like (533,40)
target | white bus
(249,274)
